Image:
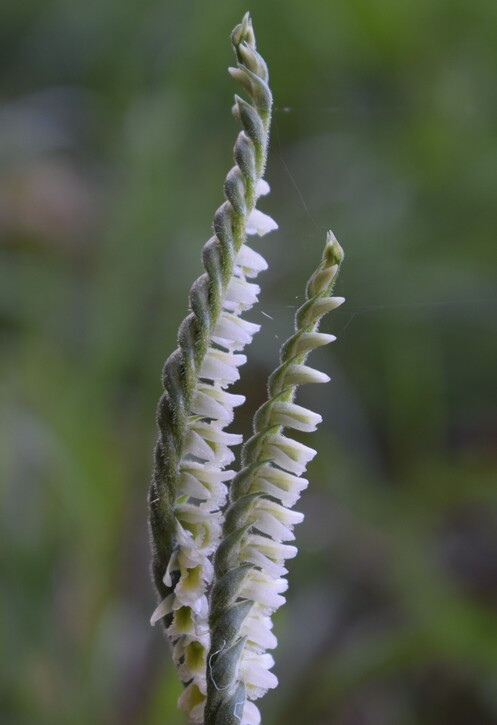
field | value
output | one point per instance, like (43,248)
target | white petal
(196,446)
(284,480)
(296,450)
(289,499)
(259,223)
(165,607)
(262,188)
(192,703)
(310,340)
(205,483)
(215,434)
(273,549)
(234,330)
(251,714)
(212,401)
(338,301)
(191,486)
(251,262)
(227,400)
(191,514)
(279,484)
(172,566)
(275,520)
(254,556)
(242,292)
(264,590)
(191,585)
(254,672)
(257,629)
(294,416)
(301,374)
(284,458)
(289,517)
(270,525)
(205,405)
(221,366)
(326,304)
(188,621)
(207,474)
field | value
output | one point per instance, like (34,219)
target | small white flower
(221,367)
(264,589)
(192,702)
(188,621)
(254,672)
(262,188)
(233,332)
(288,454)
(196,446)
(294,416)
(302,374)
(257,628)
(280,484)
(242,293)
(250,262)
(259,223)
(216,440)
(310,340)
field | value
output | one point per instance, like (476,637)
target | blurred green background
(115,136)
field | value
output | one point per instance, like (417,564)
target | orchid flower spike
(250,560)
(188,487)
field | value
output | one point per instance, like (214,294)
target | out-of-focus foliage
(115,135)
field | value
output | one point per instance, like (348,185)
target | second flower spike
(250,561)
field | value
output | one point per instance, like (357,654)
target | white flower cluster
(202,490)
(279,485)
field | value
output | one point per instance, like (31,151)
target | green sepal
(259,91)
(199,303)
(253,447)
(311,312)
(245,157)
(228,550)
(223,666)
(262,418)
(230,712)
(224,708)
(234,188)
(277,381)
(252,60)
(240,485)
(226,590)
(238,513)
(251,121)
(227,626)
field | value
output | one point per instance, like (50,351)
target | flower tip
(244,31)
(333,252)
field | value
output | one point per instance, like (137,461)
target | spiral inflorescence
(249,562)
(188,484)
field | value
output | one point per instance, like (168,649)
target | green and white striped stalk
(188,487)
(249,563)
